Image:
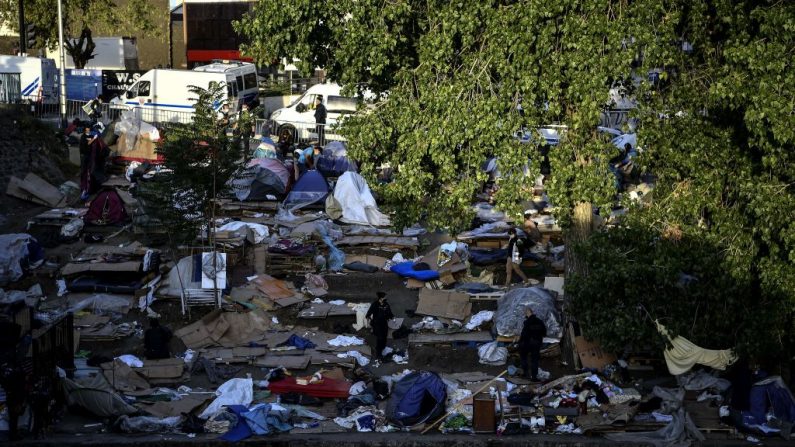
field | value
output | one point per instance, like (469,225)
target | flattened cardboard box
(591,353)
(443,303)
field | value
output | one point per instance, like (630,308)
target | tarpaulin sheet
(330,388)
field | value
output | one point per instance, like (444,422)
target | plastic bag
(492,354)
(231,392)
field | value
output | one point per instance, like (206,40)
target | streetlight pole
(62,72)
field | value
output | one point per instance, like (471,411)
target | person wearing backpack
(516,248)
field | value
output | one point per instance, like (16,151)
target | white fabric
(345,340)
(684,354)
(260,231)
(357,202)
(179,277)
(361,315)
(131,361)
(231,392)
(478,319)
(360,358)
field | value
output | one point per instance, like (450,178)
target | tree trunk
(581,227)
(81,51)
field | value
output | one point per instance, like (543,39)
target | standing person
(514,261)
(156,340)
(223,116)
(378,315)
(320,120)
(245,126)
(533,333)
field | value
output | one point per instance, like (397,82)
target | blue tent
(311,188)
(416,398)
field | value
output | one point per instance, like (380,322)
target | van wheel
(287,134)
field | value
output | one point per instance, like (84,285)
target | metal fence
(298,132)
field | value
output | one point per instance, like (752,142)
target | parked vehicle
(38,78)
(297,121)
(111,53)
(165,91)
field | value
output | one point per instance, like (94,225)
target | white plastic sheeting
(260,231)
(179,277)
(511,311)
(231,392)
(492,354)
(357,201)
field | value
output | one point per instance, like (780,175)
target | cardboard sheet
(35,189)
(288,361)
(443,303)
(175,407)
(162,369)
(225,329)
(591,354)
(74,268)
(273,288)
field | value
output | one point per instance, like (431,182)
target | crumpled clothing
(300,342)
(360,358)
(479,318)
(345,340)
(220,422)
(701,380)
(428,323)
(684,354)
(315,285)
(264,418)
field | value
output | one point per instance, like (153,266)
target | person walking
(320,120)
(533,333)
(514,261)
(379,315)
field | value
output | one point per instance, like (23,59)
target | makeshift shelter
(357,202)
(262,177)
(106,209)
(311,188)
(511,311)
(416,398)
(332,166)
(769,394)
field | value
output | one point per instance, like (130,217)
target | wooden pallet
(281,264)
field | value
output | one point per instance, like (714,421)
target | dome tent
(311,188)
(416,398)
(262,177)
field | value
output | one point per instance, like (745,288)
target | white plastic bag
(231,392)
(492,354)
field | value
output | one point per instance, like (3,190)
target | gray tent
(263,177)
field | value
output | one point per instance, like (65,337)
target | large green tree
(84,18)
(718,124)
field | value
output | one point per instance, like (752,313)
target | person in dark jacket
(533,333)
(320,120)
(378,315)
(156,340)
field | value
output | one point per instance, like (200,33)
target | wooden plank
(430,338)
(43,190)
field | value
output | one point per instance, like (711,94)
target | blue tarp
(416,398)
(332,166)
(480,256)
(406,270)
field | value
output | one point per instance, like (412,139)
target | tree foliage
(717,131)
(101,17)
(199,161)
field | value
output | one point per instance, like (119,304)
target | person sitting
(156,340)
(303,160)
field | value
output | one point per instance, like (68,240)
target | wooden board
(397,241)
(477,336)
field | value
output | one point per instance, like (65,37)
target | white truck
(164,95)
(111,53)
(296,122)
(38,77)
